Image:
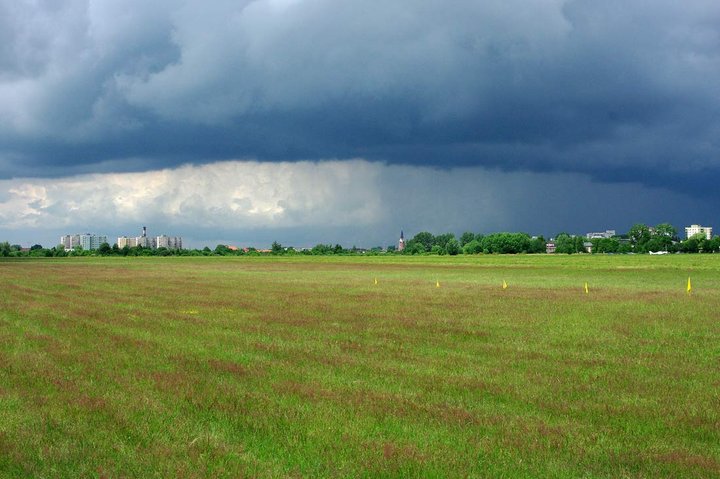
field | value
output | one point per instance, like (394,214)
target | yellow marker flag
(437,284)
(504,285)
(689,286)
(375,280)
(586,288)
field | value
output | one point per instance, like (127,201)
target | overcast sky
(344,121)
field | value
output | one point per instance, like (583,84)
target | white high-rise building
(599,235)
(124,241)
(91,241)
(145,241)
(692,230)
(70,241)
(162,241)
(86,241)
(169,242)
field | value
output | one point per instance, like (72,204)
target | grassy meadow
(304,367)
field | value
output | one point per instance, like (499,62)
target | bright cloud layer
(351,201)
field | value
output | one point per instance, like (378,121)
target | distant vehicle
(659,252)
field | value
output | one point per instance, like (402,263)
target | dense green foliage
(502,243)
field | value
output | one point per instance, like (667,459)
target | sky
(345,121)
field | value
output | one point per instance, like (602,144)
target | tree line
(8,250)
(641,238)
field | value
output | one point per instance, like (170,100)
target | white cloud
(220,195)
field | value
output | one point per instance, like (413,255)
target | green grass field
(303,367)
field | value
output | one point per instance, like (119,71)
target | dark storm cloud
(622,90)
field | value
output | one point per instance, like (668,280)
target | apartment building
(145,241)
(601,235)
(169,242)
(692,230)
(86,241)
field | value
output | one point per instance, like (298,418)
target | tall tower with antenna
(401,243)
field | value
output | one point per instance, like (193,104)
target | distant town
(91,242)
(660,239)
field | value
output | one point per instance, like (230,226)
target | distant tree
(692,244)
(425,239)
(337,249)
(322,249)
(713,246)
(115,249)
(656,243)
(35,246)
(579,244)
(443,240)
(5,249)
(624,248)
(453,247)
(105,249)
(473,247)
(666,230)
(506,243)
(662,238)
(704,245)
(639,236)
(391,248)
(564,244)
(537,245)
(414,248)
(605,245)
(276,248)
(466,237)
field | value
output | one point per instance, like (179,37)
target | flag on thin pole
(587,291)
(689,286)
(504,285)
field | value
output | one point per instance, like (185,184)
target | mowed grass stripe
(269,367)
